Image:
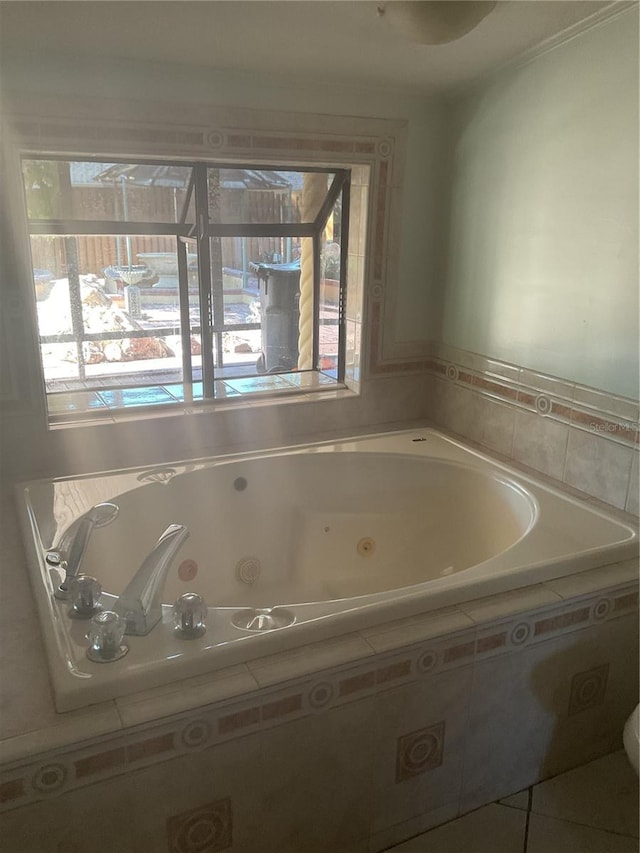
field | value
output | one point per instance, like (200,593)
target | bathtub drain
(263,618)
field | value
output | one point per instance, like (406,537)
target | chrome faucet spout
(73,545)
(141,601)
(78,548)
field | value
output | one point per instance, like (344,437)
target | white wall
(543,255)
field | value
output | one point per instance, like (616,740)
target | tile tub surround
(350,745)
(584,438)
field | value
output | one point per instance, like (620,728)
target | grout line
(526,825)
(583,825)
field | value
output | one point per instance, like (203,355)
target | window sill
(251,392)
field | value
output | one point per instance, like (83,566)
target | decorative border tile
(588,689)
(57,772)
(628,601)
(420,751)
(337,685)
(590,443)
(555,624)
(11,790)
(205,829)
(529,628)
(600,413)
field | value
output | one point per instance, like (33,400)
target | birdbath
(165,266)
(130,276)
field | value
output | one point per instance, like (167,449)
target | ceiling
(330,41)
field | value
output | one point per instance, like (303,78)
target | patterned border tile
(336,685)
(205,829)
(420,751)
(600,413)
(588,689)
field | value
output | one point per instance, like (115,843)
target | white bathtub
(339,535)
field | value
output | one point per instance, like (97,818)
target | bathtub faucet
(73,545)
(141,602)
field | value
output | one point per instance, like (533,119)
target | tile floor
(591,809)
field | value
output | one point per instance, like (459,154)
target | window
(165,282)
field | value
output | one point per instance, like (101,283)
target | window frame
(201,232)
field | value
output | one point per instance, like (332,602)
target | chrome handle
(55,559)
(105,634)
(85,592)
(190,616)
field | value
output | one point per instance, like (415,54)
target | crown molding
(613,10)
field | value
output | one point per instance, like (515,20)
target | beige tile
(388,398)
(175,788)
(317,781)
(492,423)
(602,794)
(185,695)
(493,829)
(507,604)
(29,723)
(95,819)
(420,747)
(520,728)
(623,407)
(382,840)
(602,578)
(598,466)
(414,629)
(500,368)
(314,657)
(547,835)
(547,384)
(632,505)
(540,443)
(508,730)
(451,407)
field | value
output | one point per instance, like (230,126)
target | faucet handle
(189,616)
(106,633)
(58,564)
(85,592)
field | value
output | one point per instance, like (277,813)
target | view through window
(172,282)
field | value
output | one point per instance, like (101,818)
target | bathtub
(316,540)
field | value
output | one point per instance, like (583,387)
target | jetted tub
(331,537)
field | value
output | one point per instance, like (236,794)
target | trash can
(280,313)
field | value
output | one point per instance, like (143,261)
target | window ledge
(254,400)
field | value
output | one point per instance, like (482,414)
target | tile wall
(349,745)
(586,439)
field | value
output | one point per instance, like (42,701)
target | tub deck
(549,535)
